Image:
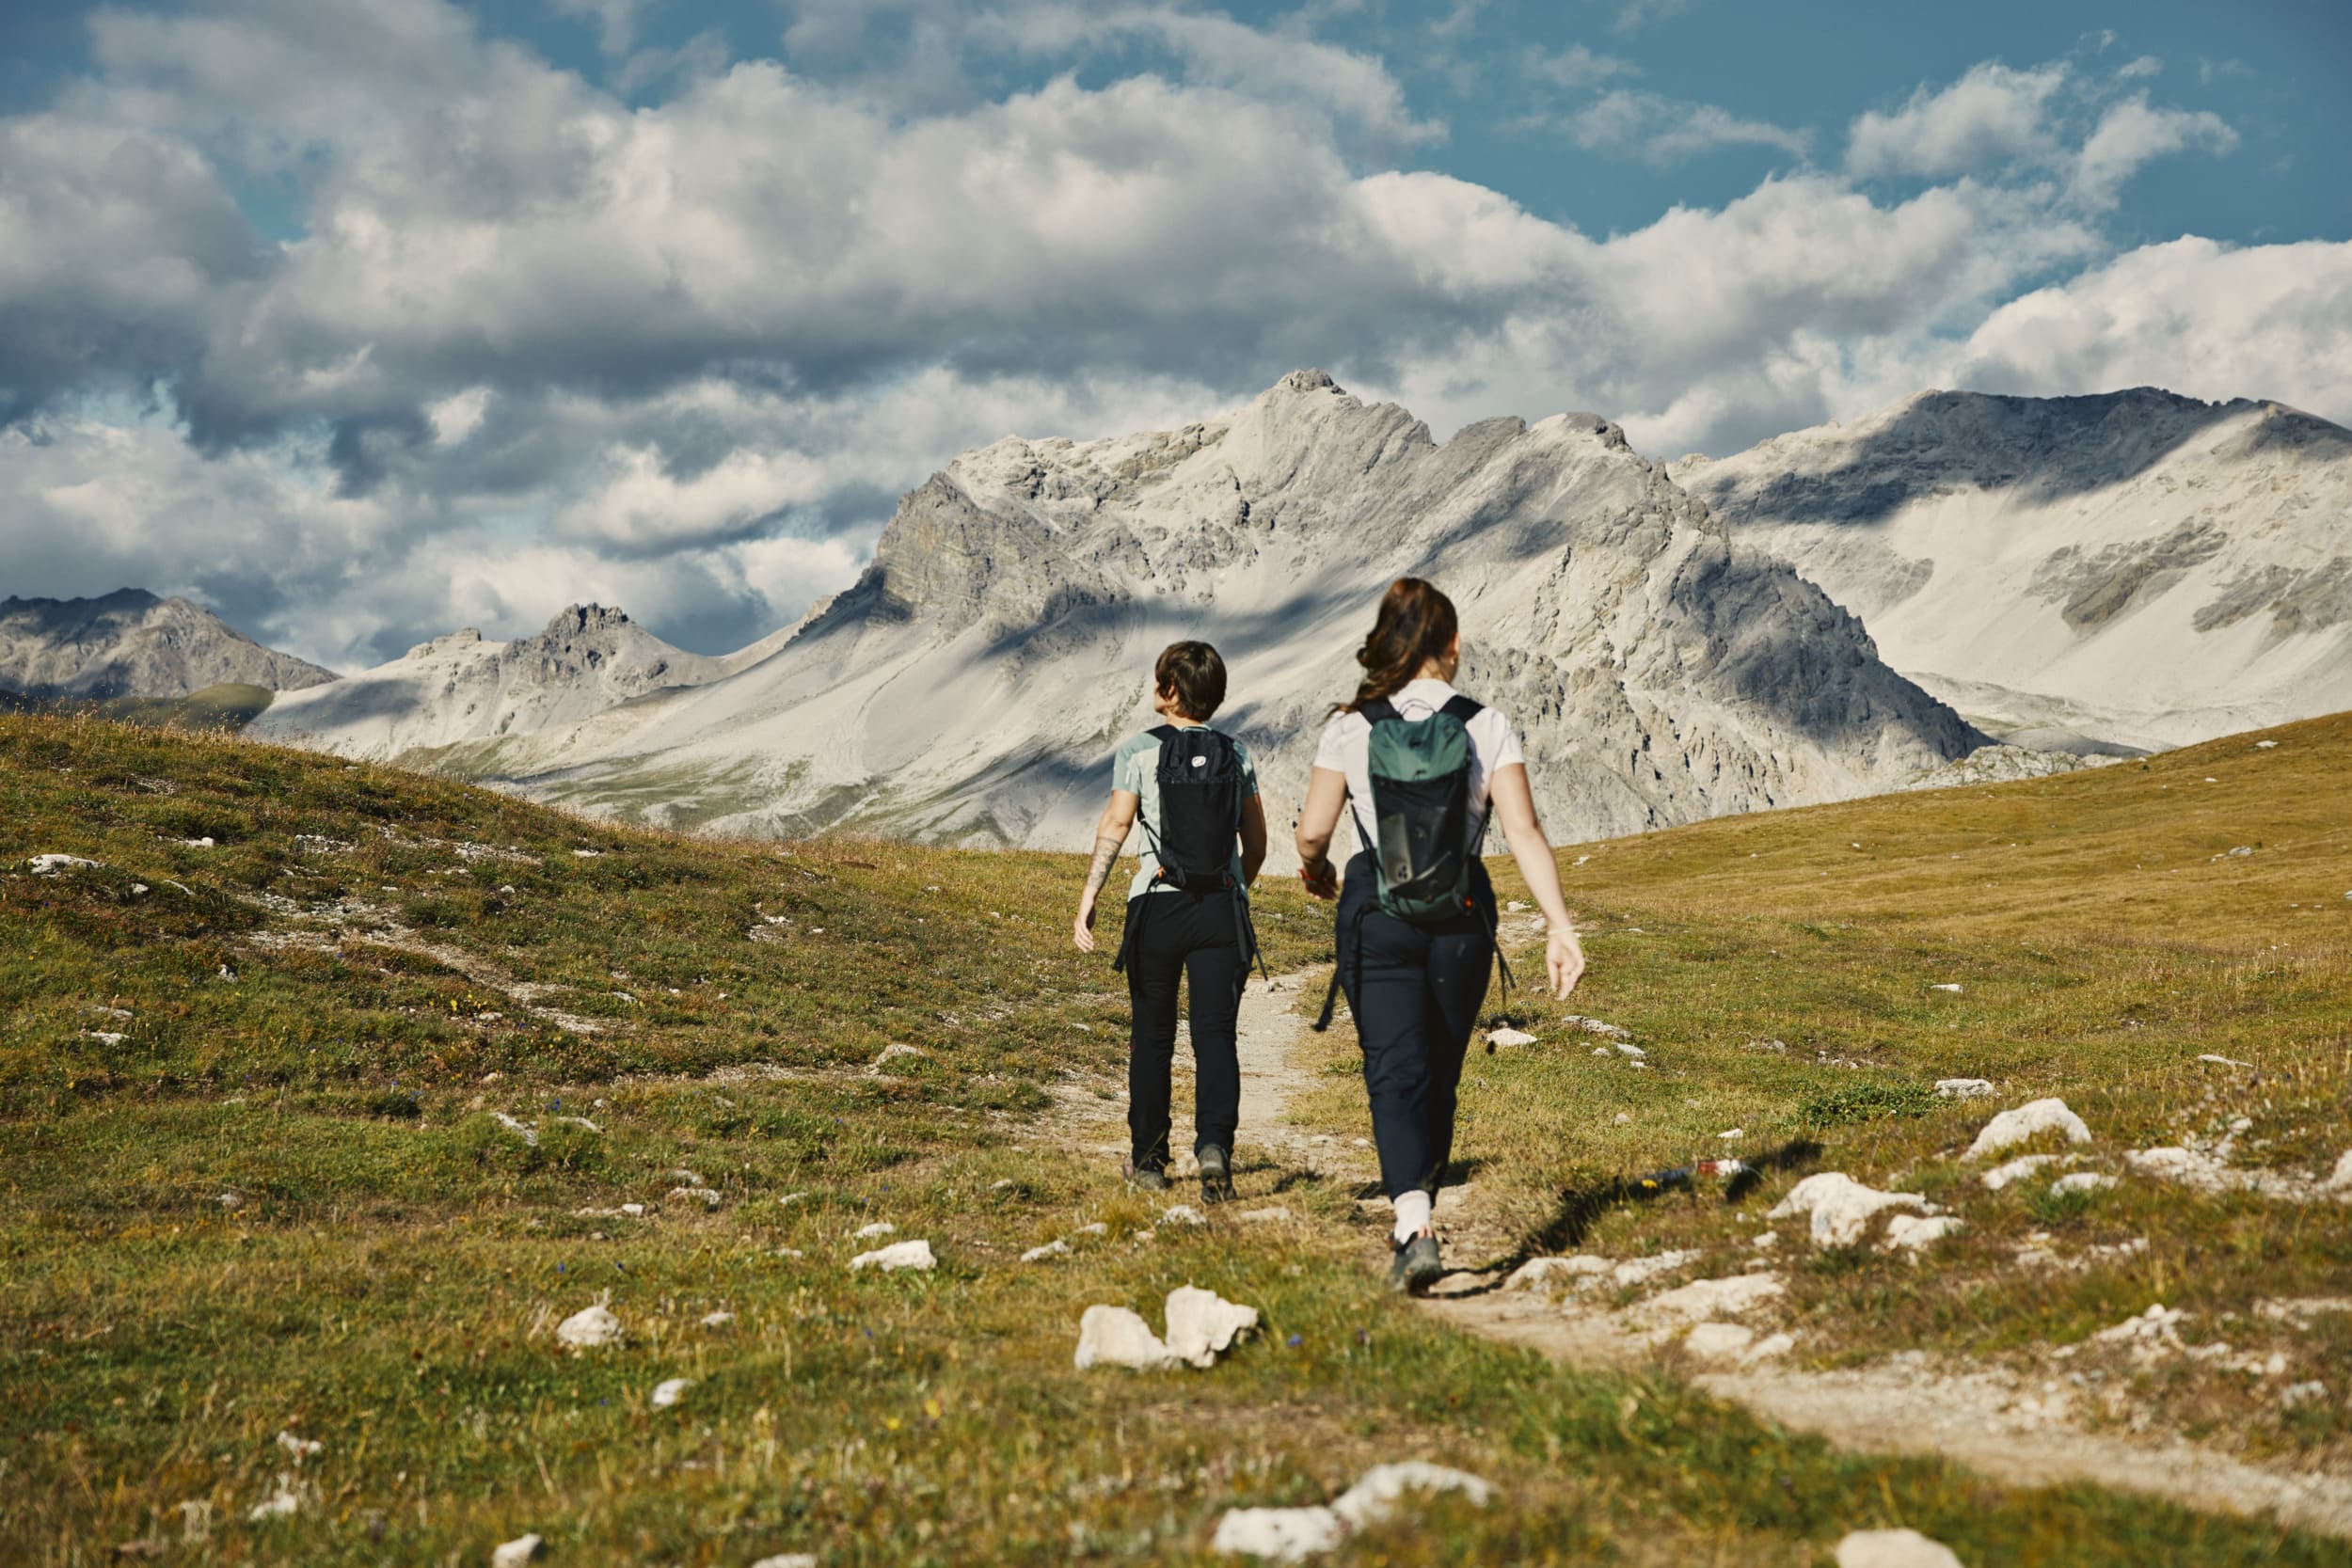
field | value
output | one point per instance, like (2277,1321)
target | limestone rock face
(2132,570)
(971,687)
(131,644)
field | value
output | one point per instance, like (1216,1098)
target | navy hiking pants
(1183,935)
(1415,991)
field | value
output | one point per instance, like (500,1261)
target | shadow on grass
(1580,1207)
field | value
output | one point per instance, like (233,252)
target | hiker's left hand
(1564,958)
(1082,929)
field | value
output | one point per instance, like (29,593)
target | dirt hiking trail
(2010,1421)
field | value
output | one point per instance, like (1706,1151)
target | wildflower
(1293,1341)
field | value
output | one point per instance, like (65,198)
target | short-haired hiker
(1424,767)
(1195,790)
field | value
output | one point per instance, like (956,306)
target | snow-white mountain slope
(131,644)
(2134,569)
(448,702)
(971,687)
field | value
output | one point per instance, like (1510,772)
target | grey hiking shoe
(1415,1267)
(1216,1175)
(1151,1178)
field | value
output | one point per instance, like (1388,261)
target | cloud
(615,21)
(1634,15)
(2131,134)
(2143,69)
(1576,67)
(1990,116)
(1664,130)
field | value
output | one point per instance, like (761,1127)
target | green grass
(283,1202)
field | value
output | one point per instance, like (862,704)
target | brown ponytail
(1416,625)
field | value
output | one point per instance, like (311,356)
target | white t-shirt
(1346,748)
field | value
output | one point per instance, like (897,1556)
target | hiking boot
(1216,1175)
(1150,1178)
(1415,1267)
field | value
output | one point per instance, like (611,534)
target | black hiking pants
(1195,935)
(1415,991)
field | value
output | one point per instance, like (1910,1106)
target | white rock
(2082,1182)
(1730,1134)
(1702,1299)
(1766,1241)
(287,1496)
(1378,1490)
(1115,1337)
(2027,1121)
(721,1319)
(1719,1342)
(1910,1233)
(1948,985)
(1633,1051)
(299,1448)
(879,1228)
(1894,1548)
(788,1560)
(1841,1207)
(515,1553)
(1279,1534)
(1509,1036)
(2341,1180)
(1201,1324)
(670,1390)
(521,1129)
(2265,745)
(707,1197)
(1768,1348)
(1050,1249)
(2302,1393)
(58,865)
(581,1122)
(1622,1119)
(683,1177)
(1635,1271)
(105,1036)
(1538,1271)
(893,1052)
(589,1327)
(2222,1061)
(1595,1026)
(904,1255)
(1097,1229)
(2016,1170)
(1182,1214)
(1262,1215)
(1964,1088)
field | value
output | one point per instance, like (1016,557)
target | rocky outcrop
(131,644)
(2131,570)
(971,686)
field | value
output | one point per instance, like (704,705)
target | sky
(361,320)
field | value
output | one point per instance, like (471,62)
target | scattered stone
(1202,1326)
(1638,1271)
(521,1129)
(1964,1088)
(2153,1333)
(2031,1120)
(299,1448)
(721,1319)
(105,1036)
(2302,1393)
(1840,1207)
(1730,1134)
(1279,1534)
(1595,1026)
(670,1390)
(1948,985)
(904,1255)
(589,1327)
(287,1496)
(1508,1037)
(893,1052)
(2016,1170)
(1259,1216)
(1711,1341)
(1632,1053)
(523,1548)
(867,1233)
(1894,1548)
(1622,1120)
(1515,905)
(707,1197)
(229,975)
(788,1560)
(1374,1497)
(1910,1233)
(1777,1048)
(1182,1214)
(1097,1229)
(58,865)
(1116,1337)
(1702,1299)
(1050,1249)
(1766,1242)
(2082,1182)
(1537,1272)
(1769,1348)
(581,1122)
(2341,1180)
(2265,745)
(2223,1061)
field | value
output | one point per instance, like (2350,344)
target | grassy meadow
(256,1180)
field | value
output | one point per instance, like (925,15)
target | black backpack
(1200,801)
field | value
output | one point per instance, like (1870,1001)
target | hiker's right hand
(1082,929)
(1323,884)
(1563,959)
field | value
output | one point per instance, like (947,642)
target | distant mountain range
(132,644)
(2132,570)
(971,686)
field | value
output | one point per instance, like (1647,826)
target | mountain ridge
(135,644)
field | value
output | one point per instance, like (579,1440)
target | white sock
(1412,1214)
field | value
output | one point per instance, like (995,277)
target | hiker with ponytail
(1424,767)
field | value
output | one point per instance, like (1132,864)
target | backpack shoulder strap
(1376,710)
(1162,733)
(1463,709)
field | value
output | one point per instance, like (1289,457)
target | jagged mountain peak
(132,643)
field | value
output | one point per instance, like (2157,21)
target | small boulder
(904,1254)
(1964,1088)
(707,1197)
(721,1319)
(58,865)
(589,1327)
(670,1390)
(1201,1324)
(1277,1534)
(1894,1548)
(869,1232)
(515,1553)
(2341,1180)
(1702,1299)
(788,1560)
(1509,1038)
(1182,1214)
(1050,1249)
(1840,1208)
(2082,1182)
(1910,1233)
(1378,1490)
(1538,1273)
(2031,1120)
(1116,1337)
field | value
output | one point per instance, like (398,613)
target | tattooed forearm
(1106,855)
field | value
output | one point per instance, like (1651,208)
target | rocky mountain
(971,686)
(2132,570)
(450,702)
(131,644)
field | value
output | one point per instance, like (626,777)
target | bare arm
(1318,820)
(1252,838)
(1110,836)
(1515,805)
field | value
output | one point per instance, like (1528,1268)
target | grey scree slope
(970,687)
(130,643)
